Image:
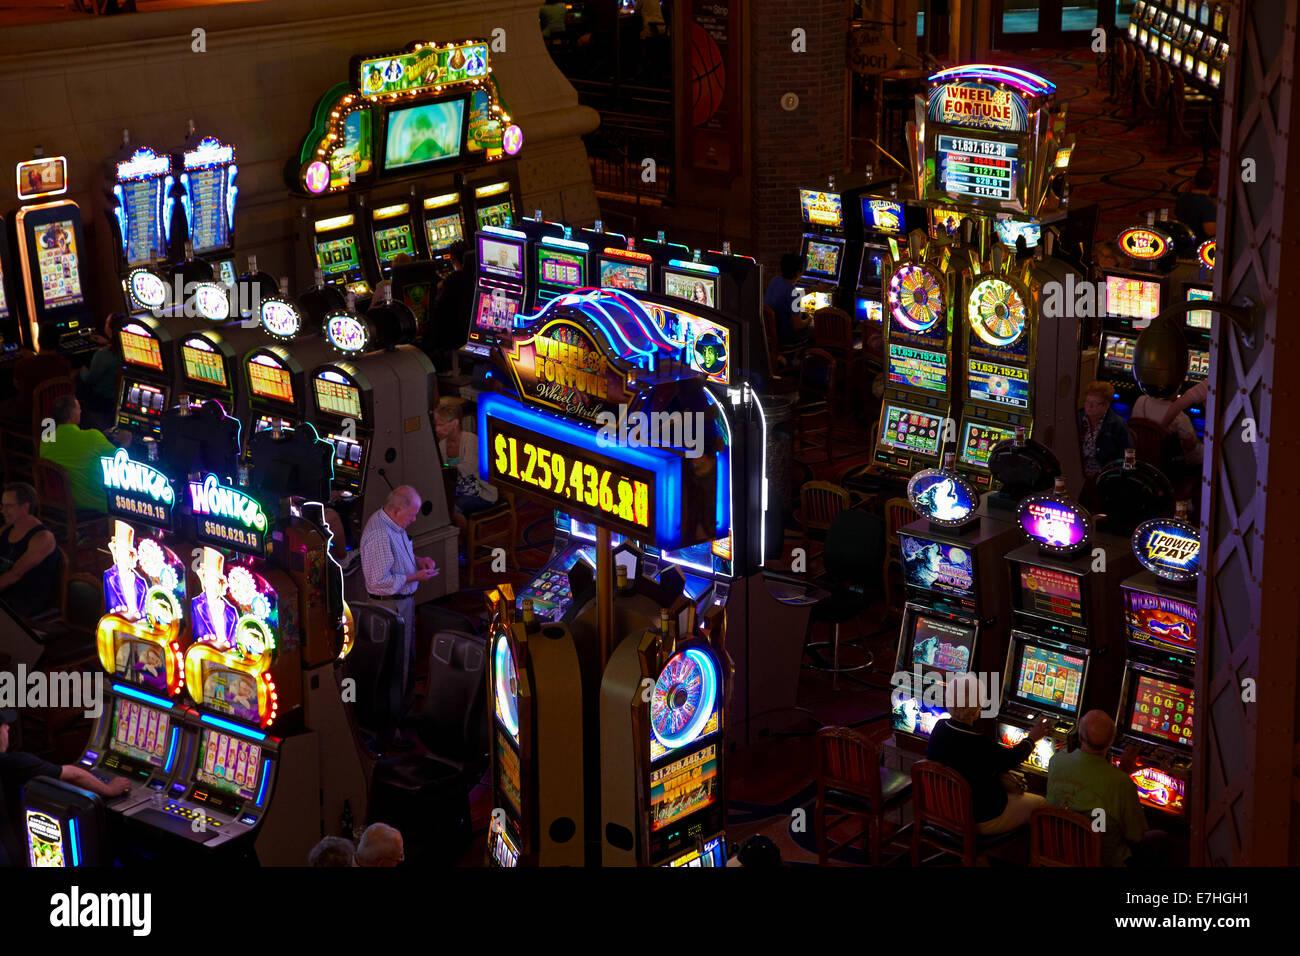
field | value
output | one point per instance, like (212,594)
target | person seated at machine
(1102,433)
(97,382)
(1196,208)
(384,288)
(791,327)
(333,851)
(17,769)
(1000,802)
(1193,397)
(449,318)
(460,449)
(29,562)
(78,450)
(1189,450)
(381,845)
(1084,780)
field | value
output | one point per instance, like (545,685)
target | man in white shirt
(392,571)
(1157,410)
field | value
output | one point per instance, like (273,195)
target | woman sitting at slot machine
(1102,433)
(460,450)
(29,561)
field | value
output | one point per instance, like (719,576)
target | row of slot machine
(223,624)
(1189,35)
(1022,586)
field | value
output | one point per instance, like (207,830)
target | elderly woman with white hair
(984,763)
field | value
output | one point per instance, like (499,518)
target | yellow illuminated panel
(204,366)
(270,381)
(140,350)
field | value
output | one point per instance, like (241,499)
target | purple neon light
(1022,80)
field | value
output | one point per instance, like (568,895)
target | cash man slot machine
(539,743)
(1157,701)
(957,611)
(1064,656)
(148,375)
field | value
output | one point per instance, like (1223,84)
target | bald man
(391,569)
(1085,780)
(380,845)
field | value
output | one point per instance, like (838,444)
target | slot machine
(141,217)
(824,248)
(392,233)
(559,265)
(63,825)
(211,367)
(699,283)
(882,218)
(10,302)
(495,205)
(957,611)
(444,225)
(208,194)
(663,252)
(1156,712)
(50,245)
(148,375)
(1065,652)
(500,289)
(1134,297)
(336,245)
(625,269)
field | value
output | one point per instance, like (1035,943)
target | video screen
(209,225)
(941,645)
(944,223)
(883,215)
(424,134)
(1132,298)
(268,379)
(870,310)
(392,241)
(140,348)
(1160,622)
(1198,364)
(1050,592)
(141,202)
(496,312)
(913,716)
(936,566)
(1009,230)
(977,168)
(911,430)
(229,764)
(702,290)
(147,401)
(230,691)
(823,259)
(1161,711)
(871,273)
(500,214)
(977,441)
(443,231)
(1049,678)
(566,270)
(337,397)
(821,208)
(1201,318)
(624,275)
(501,258)
(204,364)
(918,368)
(1006,385)
(139,732)
(1117,353)
(337,256)
(58,264)
(683,787)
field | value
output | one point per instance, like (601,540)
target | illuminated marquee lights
(148,289)
(137,491)
(996,311)
(915,298)
(212,301)
(1205,252)
(281,318)
(38,178)
(1143,244)
(227,517)
(1168,548)
(1058,526)
(346,332)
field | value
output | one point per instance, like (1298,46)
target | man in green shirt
(1085,780)
(78,450)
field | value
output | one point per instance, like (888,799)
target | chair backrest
(1147,436)
(1061,837)
(83,602)
(855,549)
(848,761)
(817,374)
(821,501)
(769,330)
(898,514)
(376,667)
(43,399)
(942,798)
(452,721)
(832,329)
(53,487)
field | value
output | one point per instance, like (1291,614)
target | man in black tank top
(29,559)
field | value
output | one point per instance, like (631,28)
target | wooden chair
(69,523)
(494,526)
(815,409)
(898,514)
(833,332)
(943,816)
(20,446)
(819,503)
(1147,436)
(1061,837)
(850,778)
(1191,114)
(780,357)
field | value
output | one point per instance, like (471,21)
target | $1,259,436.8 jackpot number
(565,476)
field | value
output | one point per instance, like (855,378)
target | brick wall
(804,146)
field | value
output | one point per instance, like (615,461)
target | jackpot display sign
(978,105)
(918,368)
(978,168)
(136,491)
(1169,549)
(997,384)
(227,517)
(1051,592)
(561,367)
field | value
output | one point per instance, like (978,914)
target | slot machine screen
(871,274)
(424,134)
(918,368)
(1161,711)
(203,363)
(1160,622)
(229,764)
(1117,353)
(335,396)
(908,429)
(870,310)
(338,256)
(499,214)
(713,855)
(147,401)
(57,263)
(139,733)
(977,441)
(624,275)
(1050,592)
(499,258)
(1201,318)
(495,312)
(944,222)
(209,228)
(1198,365)
(140,348)
(821,208)
(977,168)
(683,787)
(883,215)
(558,269)
(940,646)
(1045,677)
(823,259)
(392,241)
(269,379)
(694,288)
(912,715)
(1009,230)
(443,231)
(230,691)
(1133,298)
(1005,385)
(936,566)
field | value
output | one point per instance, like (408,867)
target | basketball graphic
(708,76)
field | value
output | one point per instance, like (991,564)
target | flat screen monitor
(819,208)
(885,216)
(268,378)
(909,429)
(338,256)
(1159,710)
(418,136)
(1047,677)
(940,645)
(393,240)
(1160,622)
(140,348)
(1132,297)
(975,168)
(684,787)
(631,276)
(58,263)
(977,441)
(561,269)
(871,274)
(497,214)
(1009,230)
(442,231)
(823,258)
(1050,593)
(495,311)
(944,223)
(692,286)
(1201,318)
(1005,385)
(229,764)
(499,257)
(335,395)
(1117,353)
(870,310)
(918,368)
(139,732)
(203,363)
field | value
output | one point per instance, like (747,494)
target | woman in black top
(29,563)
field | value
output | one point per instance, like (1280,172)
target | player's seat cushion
(953,842)
(894,787)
